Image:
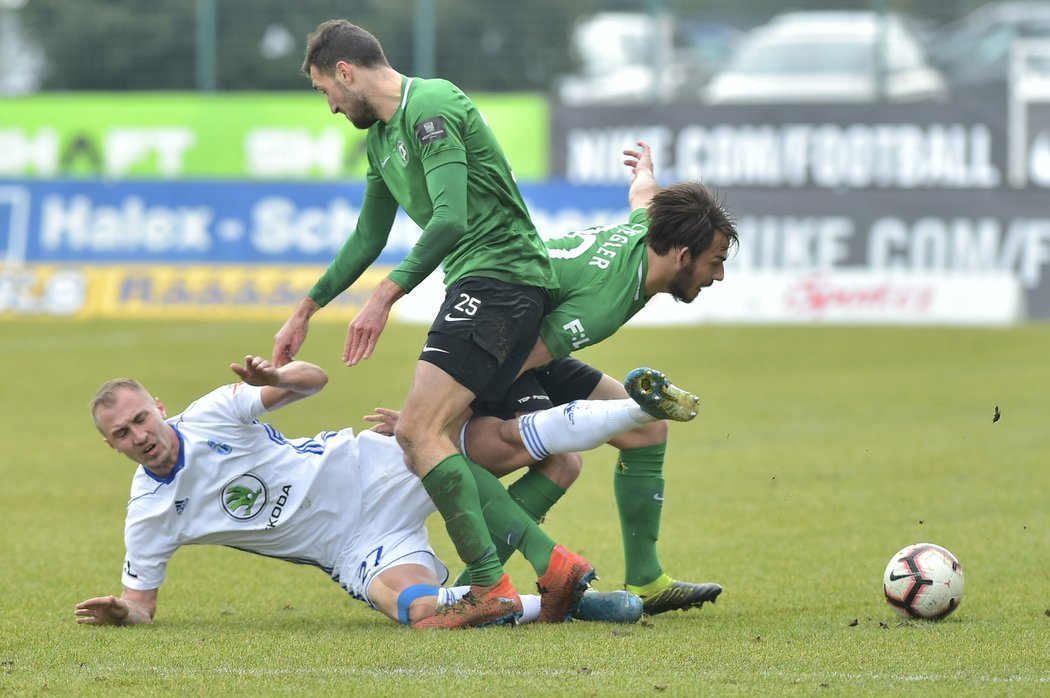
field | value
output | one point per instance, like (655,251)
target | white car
(807,57)
(639,58)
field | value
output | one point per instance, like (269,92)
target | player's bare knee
(562,469)
(421,609)
(509,434)
(408,438)
(403,437)
(410,428)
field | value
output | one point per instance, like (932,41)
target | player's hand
(102,610)
(288,341)
(363,332)
(639,160)
(385,420)
(256,371)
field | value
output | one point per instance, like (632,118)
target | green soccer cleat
(680,596)
(609,607)
(660,398)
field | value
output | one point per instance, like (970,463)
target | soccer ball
(923,581)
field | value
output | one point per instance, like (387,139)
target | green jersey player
(431,154)
(676,242)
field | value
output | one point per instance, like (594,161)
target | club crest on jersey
(403,152)
(220,448)
(432,129)
(244,497)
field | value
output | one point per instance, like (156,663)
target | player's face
(699,272)
(342,99)
(134,425)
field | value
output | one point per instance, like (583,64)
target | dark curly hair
(688,215)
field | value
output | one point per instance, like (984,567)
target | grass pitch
(819,452)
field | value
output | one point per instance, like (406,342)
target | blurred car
(974,52)
(805,57)
(638,58)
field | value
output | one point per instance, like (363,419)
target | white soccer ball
(924,581)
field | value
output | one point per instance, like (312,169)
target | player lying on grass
(676,242)
(217,475)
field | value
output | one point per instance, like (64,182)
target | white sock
(448,596)
(579,426)
(530,603)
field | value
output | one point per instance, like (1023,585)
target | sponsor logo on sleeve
(430,130)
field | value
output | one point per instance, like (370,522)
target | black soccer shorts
(484,332)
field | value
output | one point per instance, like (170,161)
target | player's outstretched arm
(132,608)
(447,185)
(290,338)
(643,182)
(284,385)
(363,332)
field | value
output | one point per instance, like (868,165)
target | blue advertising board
(203,222)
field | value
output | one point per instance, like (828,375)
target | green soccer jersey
(601,276)
(437,124)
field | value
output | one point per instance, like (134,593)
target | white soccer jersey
(240,483)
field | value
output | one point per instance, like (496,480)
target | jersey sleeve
(147,544)
(235,403)
(378,210)
(448,193)
(437,119)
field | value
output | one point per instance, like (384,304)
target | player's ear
(160,407)
(108,443)
(683,257)
(344,71)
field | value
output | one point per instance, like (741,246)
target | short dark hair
(106,395)
(688,215)
(339,40)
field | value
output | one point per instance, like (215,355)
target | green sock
(454,492)
(510,525)
(535,493)
(639,486)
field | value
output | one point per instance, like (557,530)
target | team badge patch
(403,152)
(220,448)
(243,497)
(430,130)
